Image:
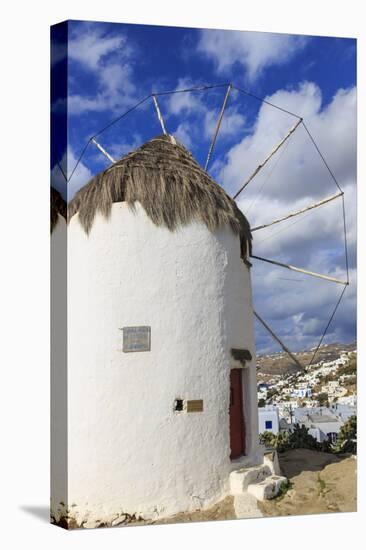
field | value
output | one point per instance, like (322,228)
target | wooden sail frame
(298,212)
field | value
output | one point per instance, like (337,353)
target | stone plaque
(136,339)
(195,405)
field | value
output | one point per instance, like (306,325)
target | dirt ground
(320,483)
(221,510)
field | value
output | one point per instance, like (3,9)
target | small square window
(268,424)
(178,405)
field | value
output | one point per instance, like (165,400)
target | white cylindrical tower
(161,357)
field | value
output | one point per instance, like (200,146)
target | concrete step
(246,506)
(241,479)
(266,489)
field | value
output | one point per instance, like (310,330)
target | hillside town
(321,397)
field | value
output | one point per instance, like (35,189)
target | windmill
(251,179)
(129,282)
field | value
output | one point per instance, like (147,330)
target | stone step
(246,506)
(241,479)
(266,489)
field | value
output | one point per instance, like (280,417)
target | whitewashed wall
(270,414)
(128,450)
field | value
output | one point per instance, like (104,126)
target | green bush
(347,437)
(280,441)
(271,393)
(299,438)
(323,399)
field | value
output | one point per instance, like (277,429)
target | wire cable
(268,176)
(328,325)
(122,116)
(345,237)
(266,102)
(79,159)
(61,170)
(193,89)
(322,157)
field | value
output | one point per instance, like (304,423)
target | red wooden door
(237,426)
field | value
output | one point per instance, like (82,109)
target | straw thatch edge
(171,187)
(58,207)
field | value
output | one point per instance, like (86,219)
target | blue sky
(113,66)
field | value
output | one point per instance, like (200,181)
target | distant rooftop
(322,418)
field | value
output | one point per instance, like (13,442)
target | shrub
(323,399)
(347,437)
(279,441)
(299,438)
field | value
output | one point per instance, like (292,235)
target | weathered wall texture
(128,451)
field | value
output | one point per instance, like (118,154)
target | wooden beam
(260,166)
(315,205)
(218,125)
(102,150)
(301,270)
(159,115)
(275,337)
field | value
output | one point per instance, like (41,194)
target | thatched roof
(58,206)
(169,184)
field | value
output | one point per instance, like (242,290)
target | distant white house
(286,408)
(350,400)
(268,419)
(333,389)
(322,422)
(324,427)
(285,426)
(343,411)
(302,392)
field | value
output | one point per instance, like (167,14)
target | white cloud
(299,172)
(185,102)
(80,177)
(90,46)
(297,306)
(118,150)
(116,77)
(255,51)
(58,180)
(58,51)
(108,59)
(232,122)
(183,133)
